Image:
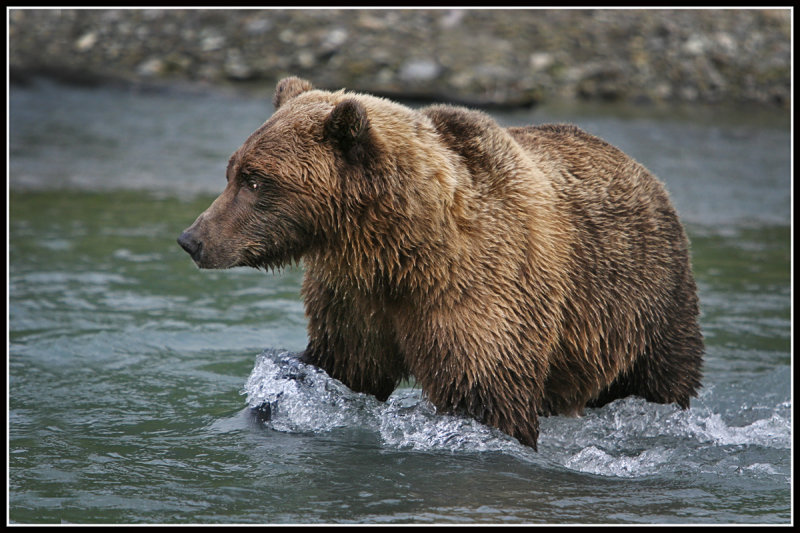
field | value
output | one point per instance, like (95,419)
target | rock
(86,41)
(695,45)
(151,67)
(419,70)
(235,66)
(334,39)
(502,56)
(210,40)
(540,61)
(258,26)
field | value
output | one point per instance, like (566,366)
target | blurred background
(127,365)
(501,57)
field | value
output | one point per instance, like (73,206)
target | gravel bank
(505,57)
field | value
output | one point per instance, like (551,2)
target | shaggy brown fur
(513,272)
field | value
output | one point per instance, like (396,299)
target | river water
(130,370)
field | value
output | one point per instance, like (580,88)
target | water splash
(593,460)
(408,421)
(628,438)
(303,398)
(635,438)
(772,432)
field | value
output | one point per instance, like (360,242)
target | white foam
(627,438)
(304,398)
(409,421)
(772,432)
(593,460)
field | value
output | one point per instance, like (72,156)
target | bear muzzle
(206,251)
(191,244)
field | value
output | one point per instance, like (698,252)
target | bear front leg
(503,398)
(351,343)
(361,366)
(494,373)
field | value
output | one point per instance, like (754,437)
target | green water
(128,367)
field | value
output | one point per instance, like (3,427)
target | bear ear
(348,126)
(288,88)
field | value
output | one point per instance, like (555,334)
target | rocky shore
(503,57)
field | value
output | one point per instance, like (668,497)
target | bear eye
(250,182)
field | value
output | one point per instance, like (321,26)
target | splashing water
(627,438)
(303,398)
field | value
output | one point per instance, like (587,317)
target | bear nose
(189,243)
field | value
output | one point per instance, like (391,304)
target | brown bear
(514,272)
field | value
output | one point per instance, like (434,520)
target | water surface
(130,371)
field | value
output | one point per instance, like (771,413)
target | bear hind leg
(668,372)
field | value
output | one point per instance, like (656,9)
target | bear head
(290,182)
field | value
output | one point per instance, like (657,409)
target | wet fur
(513,272)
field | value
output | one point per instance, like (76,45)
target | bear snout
(191,244)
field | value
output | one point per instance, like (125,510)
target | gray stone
(418,70)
